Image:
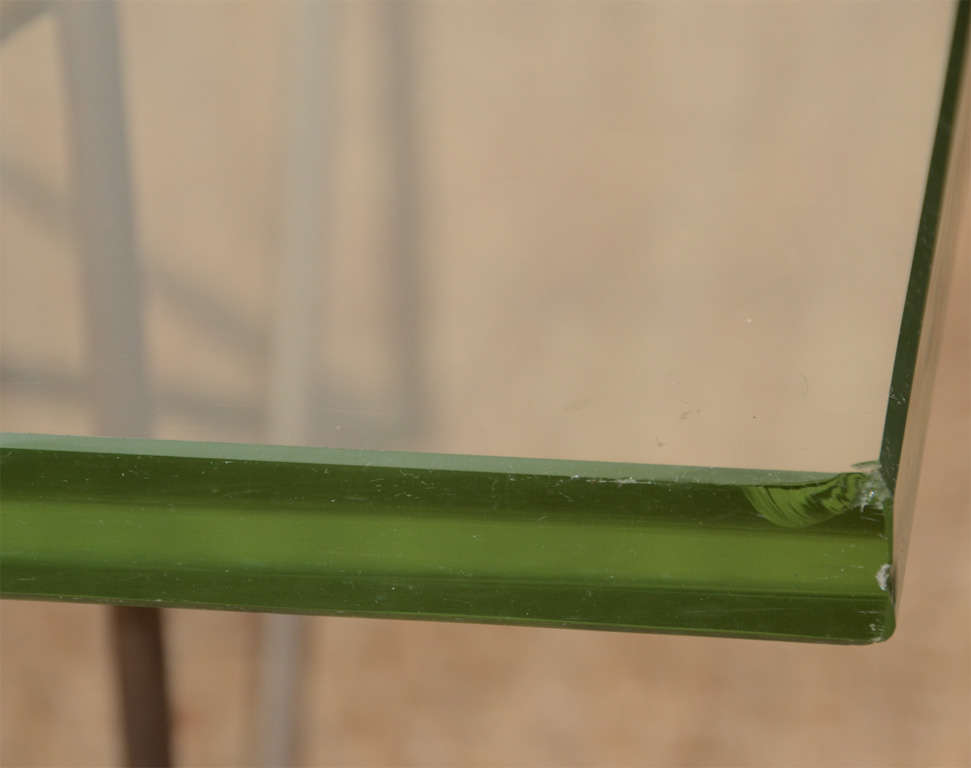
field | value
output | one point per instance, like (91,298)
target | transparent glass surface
(641,232)
(674,258)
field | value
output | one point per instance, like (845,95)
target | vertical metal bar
(281,663)
(405,215)
(140,663)
(295,349)
(104,223)
(296,332)
(119,389)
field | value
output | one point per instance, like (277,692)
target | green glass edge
(556,543)
(915,302)
(905,424)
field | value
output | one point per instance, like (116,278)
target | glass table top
(648,233)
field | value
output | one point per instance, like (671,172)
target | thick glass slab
(520,541)
(627,242)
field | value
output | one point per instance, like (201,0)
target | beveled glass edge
(935,248)
(912,319)
(448,462)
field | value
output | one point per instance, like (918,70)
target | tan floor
(389,693)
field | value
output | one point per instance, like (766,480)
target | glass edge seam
(912,319)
